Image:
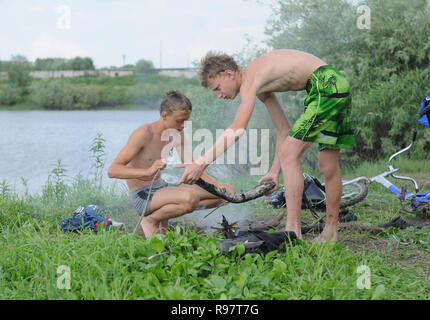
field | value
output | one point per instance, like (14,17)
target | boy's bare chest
(153,151)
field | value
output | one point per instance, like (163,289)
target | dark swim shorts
(139,196)
(327,116)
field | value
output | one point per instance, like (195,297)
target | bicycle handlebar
(400,152)
(414,137)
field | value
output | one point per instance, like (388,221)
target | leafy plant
(98,154)
(4,189)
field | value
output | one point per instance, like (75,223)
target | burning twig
(227,229)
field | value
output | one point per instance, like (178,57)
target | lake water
(31,142)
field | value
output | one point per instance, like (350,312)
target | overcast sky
(105,30)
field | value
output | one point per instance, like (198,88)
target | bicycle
(356,190)
(353,191)
(418,203)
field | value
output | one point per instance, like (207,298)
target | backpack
(313,195)
(85,218)
(423,115)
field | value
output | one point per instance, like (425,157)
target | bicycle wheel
(353,193)
(422,211)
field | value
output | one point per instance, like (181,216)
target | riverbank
(91,92)
(118,265)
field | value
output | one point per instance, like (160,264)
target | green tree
(79,63)
(387,64)
(322,28)
(144,66)
(19,73)
(51,64)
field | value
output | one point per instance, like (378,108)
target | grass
(40,261)
(110,265)
(19,107)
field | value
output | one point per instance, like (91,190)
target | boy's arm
(135,144)
(186,157)
(281,122)
(228,137)
(283,128)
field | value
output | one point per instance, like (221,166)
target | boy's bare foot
(297,232)
(328,234)
(149,226)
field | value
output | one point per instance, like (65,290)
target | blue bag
(87,218)
(423,115)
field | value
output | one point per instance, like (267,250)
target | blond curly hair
(214,63)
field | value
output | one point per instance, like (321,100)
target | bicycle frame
(417,199)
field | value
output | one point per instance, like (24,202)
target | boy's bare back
(280,71)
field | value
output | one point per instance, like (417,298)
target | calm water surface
(31,142)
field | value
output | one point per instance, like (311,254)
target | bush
(91,92)
(10,95)
(386,65)
(144,66)
(58,94)
(61,94)
(109,96)
(385,115)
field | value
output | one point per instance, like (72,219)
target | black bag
(257,241)
(313,191)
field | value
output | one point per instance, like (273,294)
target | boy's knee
(291,150)
(328,169)
(190,201)
(286,157)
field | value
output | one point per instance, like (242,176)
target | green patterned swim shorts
(326,119)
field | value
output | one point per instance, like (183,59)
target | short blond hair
(214,63)
(175,101)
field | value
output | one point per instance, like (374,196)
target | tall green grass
(36,255)
(109,265)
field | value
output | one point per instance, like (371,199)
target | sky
(170,33)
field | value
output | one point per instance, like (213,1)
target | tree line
(386,60)
(387,64)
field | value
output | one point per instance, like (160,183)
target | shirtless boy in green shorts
(145,154)
(326,121)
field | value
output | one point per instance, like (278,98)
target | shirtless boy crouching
(141,158)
